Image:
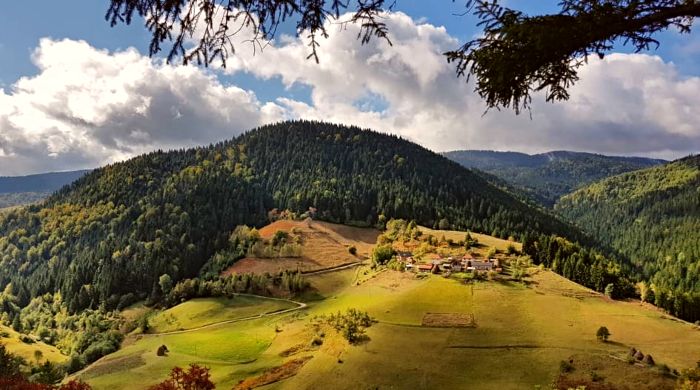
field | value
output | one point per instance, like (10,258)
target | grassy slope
(485,241)
(224,348)
(26,351)
(522,334)
(518,342)
(205,311)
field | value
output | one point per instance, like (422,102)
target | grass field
(485,241)
(516,337)
(205,311)
(27,351)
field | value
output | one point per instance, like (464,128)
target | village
(437,264)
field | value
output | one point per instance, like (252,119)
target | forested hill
(18,190)
(117,229)
(653,216)
(548,176)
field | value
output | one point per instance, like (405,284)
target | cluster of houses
(438,264)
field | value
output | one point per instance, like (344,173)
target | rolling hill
(514,326)
(108,237)
(20,190)
(546,177)
(653,216)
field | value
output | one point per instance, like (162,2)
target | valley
(513,340)
(390,266)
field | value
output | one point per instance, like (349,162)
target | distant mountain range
(18,190)
(548,176)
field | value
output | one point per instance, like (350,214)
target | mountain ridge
(653,217)
(119,228)
(545,177)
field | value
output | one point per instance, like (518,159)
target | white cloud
(624,104)
(87,107)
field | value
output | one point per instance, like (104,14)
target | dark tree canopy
(517,54)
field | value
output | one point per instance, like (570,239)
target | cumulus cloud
(625,104)
(87,107)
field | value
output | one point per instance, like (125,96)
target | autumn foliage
(196,378)
(21,383)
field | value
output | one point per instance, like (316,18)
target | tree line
(107,238)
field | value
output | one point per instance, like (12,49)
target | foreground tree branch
(516,56)
(203,30)
(520,54)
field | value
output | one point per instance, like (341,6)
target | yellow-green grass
(229,350)
(27,351)
(205,311)
(522,333)
(521,336)
(484,240)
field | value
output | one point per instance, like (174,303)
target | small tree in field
(602,334)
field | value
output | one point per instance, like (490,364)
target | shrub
(649,360)
(565,366)
(602,334)
(74,364)
(351,324)
(639,356)
(595,377)
(382,253)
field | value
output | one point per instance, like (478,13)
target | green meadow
(521,333)
(205,311)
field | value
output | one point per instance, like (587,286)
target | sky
(76,93)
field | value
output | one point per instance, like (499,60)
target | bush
(351,324)
(565,366)
(74,364)
(649,360)
(595,377)
(381,254)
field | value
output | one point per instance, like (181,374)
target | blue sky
(21,27)
(626,105)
